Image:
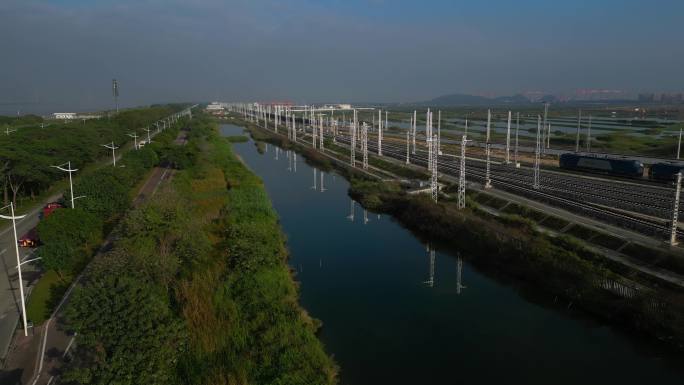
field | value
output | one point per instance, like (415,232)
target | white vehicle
(142,144)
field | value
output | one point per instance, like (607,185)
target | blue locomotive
(603,165)
(665,171)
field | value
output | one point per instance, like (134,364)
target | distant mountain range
(473,100)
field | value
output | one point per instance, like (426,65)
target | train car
(611,166)
(30,239)
(664,171)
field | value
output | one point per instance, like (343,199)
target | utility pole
(537,154)
(579,127)
(675,210)
(679,143)
(589,135)
(14,218)
(115,91)
(488,180)
(71,185)
(461,174)
(508,139)
(147,129)
(112,147)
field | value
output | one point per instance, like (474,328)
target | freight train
(631,168)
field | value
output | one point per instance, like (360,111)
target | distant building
(215,108)
(64,115)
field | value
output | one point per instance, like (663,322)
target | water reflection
(381,302)
(431,257)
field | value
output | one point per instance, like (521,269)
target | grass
(44,295)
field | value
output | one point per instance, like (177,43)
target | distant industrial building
(64,115)
(215,108)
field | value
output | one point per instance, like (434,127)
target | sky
(62,55)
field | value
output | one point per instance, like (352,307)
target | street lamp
(148,134)
(14,218)
(111,147)
(71,185)
(135,139)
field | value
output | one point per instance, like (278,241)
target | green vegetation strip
(70,237)
(196,288)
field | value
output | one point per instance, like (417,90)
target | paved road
(10,303)
(40,355)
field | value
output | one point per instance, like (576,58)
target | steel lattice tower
(428,137)
(461,175)
(488,150)
(320,133)
(407,147)
(508,139)
(364,144)
(379,133)
(537,154)
(413,129)
(352,147)
(434,187)
(675,210)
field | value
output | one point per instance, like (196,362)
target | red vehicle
(49,208)
(29,239)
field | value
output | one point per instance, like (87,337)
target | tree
(69,237)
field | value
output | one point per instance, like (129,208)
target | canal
(395,313)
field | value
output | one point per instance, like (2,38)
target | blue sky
(63,54)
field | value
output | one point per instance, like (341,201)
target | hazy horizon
(62,55)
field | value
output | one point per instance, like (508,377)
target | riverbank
(511,246)
(203,270)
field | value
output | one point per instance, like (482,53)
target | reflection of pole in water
(266,148)
(459,272)
(365,216)
(351,210)
(431,280)
(289,161)
(314,179)
(295,161)
(276,151)
(322,179)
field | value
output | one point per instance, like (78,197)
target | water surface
(388,320)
